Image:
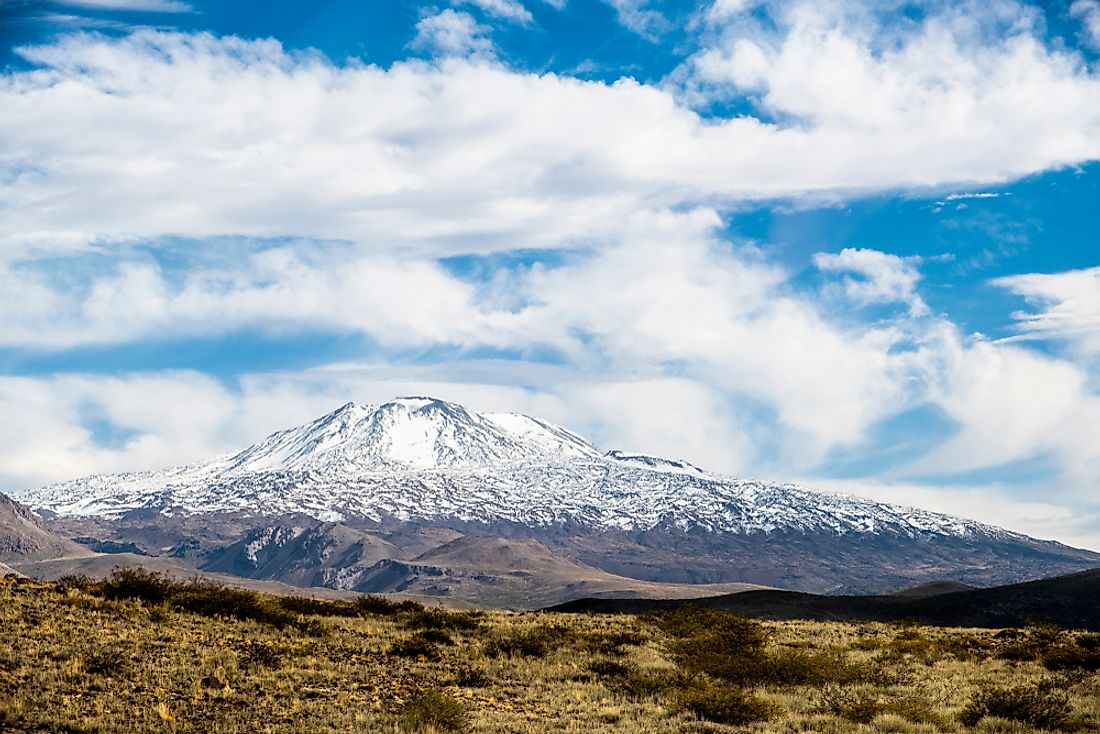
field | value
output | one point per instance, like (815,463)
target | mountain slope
(24,537)
(434,466)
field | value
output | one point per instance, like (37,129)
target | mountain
(25,538)
(498,572)
(416,473)
(1067,601)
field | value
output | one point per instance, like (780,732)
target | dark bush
(858,706)
(214,600)
(472,678)
(611,643)
(441,619)
(749,666)
(317,607)
(609,669)
(261,655)
(370,604)
(690,621)
(415,646)
(916,711)
(75,582)
(437,636)
(1090,641)
(136,583)
(1042,705)
(206,598)
(536,643)
(725,704)
(634,682)
(108,661)
(1073,656)
(436,711)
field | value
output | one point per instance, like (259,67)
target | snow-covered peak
(409,432)
(420,457)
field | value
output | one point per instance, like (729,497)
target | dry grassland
(137,655)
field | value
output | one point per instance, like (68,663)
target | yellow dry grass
(71,661)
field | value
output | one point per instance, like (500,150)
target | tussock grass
(138,654)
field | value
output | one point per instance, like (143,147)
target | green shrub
(691,621)
(725,704)
(108,661)
(436,711)
(256,654)
(75,582)
(609,669)
(858,706)
(434,618)
(470,677)
(1042,705)
(206,598)
(137,583)
(536,643)
(916,711)
(370,604)
(1089,641)
(415,646)
(317,607)
(1073,656)
(611,643)
(214,600)
(437,636)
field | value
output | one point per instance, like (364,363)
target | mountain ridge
(423,471)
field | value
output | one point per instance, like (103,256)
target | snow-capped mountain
(421,458)
(421,463)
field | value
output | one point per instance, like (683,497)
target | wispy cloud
(145,6)
(511,10)
(1067,307)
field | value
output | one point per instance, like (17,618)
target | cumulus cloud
(670,301)
(161,133)
(1088,12)
(452,33)
(884,278)
(1068,306)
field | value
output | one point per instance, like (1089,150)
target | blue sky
(851,245)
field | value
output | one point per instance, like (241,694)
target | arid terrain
(137,653)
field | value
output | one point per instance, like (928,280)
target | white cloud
(849,75)
(1068,306)
(148,6)
(884,278)
(721,11)
(1013,404)
(452,33)
(164,133)
(636,16)
(512,10)
(1088,12)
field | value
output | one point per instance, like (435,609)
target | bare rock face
(25,538)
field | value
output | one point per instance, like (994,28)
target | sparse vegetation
(1044,705)
(139,653)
